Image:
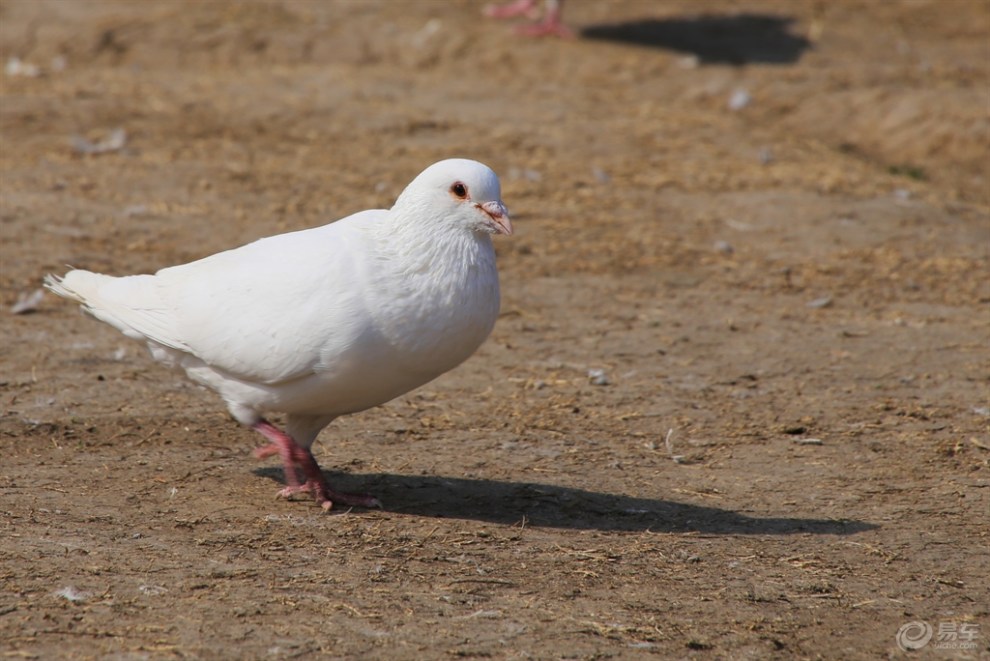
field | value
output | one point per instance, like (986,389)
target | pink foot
(512,9)
(546,28)
(331,496)
(551,25)
(289,492)
(296,457)
(266,451)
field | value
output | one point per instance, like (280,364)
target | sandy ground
(767,222)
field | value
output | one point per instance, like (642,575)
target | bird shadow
(551,506)
(737,39)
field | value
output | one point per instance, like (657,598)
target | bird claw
(365,500)
(265,451)
(291,490)
(546,29)
(295,459)
(327,498)
(351,500)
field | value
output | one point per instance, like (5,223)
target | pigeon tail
(131,304)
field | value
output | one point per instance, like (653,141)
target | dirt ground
(767,222)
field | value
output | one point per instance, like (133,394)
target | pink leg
(296,457)
(265,451)
(512,9)
(551,25)
(282,445)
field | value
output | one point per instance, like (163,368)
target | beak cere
(498,215)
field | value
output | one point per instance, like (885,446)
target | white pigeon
(326,321)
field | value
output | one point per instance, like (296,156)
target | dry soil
(767,222)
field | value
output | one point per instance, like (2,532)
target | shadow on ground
(739,39)
(552,506)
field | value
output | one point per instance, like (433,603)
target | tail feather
(57,285)
(131,304)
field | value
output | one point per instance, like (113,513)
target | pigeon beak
(499,216)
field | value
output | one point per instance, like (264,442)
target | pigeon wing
(276,309)
(268,312)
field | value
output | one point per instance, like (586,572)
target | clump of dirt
(736,403)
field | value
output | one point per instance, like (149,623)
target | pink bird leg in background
(549,25)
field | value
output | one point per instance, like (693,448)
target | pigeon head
(461,192)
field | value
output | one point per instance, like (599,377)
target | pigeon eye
(459,190)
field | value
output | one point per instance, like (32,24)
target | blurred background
(737,400)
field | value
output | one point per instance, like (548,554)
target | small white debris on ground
(598,377)
(114,141)
(723,247)
(27,301)
(819,303)
(739,100)
(72,594)
(17,67)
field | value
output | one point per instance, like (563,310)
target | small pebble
(17,67)
(600,175)
(72,594)
(739,100)
(152,590)
(822,302)
(114,141)
(135,210)
(598,377)
(524,174)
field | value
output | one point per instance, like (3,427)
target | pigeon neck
(422,244)
(452,249)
